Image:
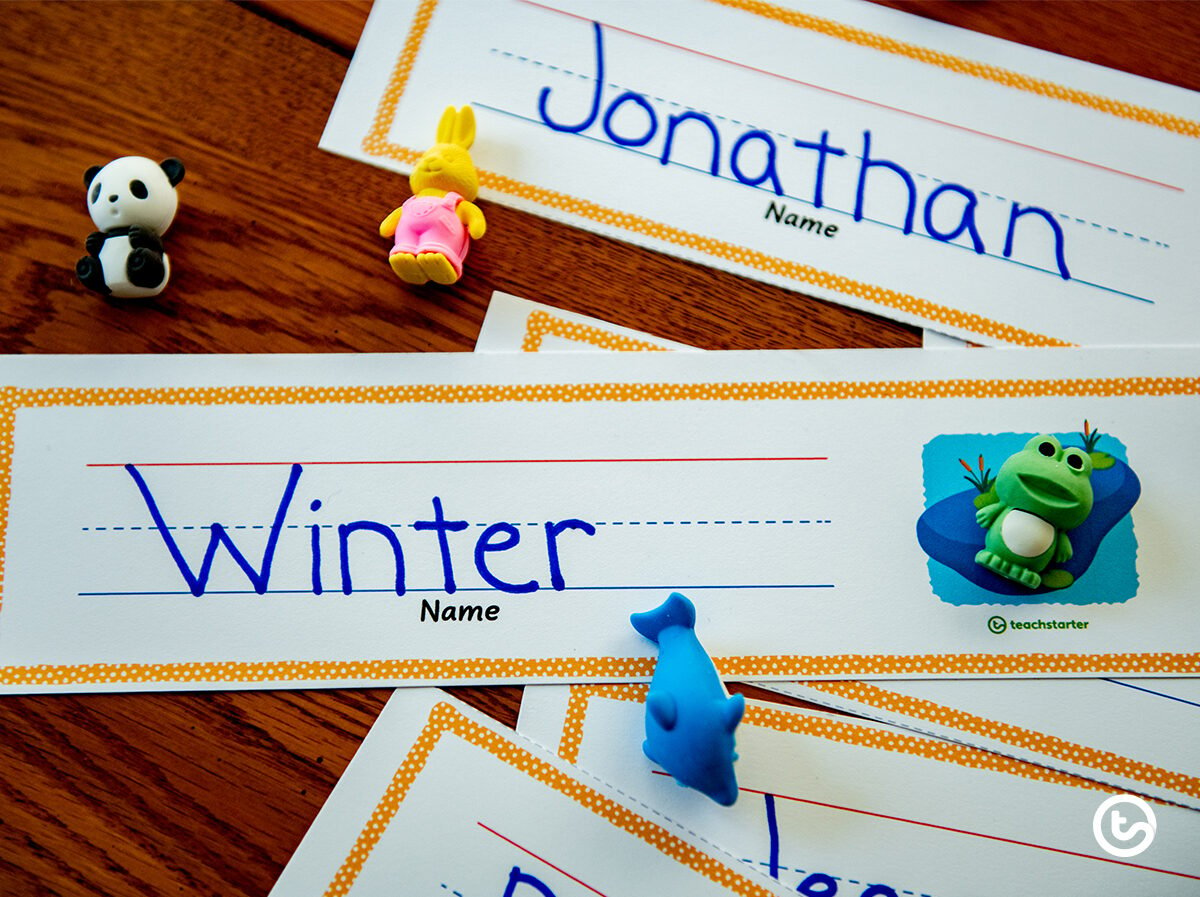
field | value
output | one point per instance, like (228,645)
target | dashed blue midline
(852,881)
(206,526)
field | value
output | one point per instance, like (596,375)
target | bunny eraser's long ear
(445,129)
(457,126)
(464,130)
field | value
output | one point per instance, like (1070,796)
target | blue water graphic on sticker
(1105,547)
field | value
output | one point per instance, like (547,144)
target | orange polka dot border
(1015,736)
(578,699)
(970,67)
(328,673)
(444,718)
(727,391)
(541,324)
(843,731)
(376,142)
(548,669)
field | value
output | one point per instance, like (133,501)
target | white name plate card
(217,522)
(843,807)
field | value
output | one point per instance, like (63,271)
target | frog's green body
(1042,492)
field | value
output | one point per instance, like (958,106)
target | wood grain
(1157,39)
(275,250)
(333,23)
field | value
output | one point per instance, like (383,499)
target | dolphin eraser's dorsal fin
(662,707)
(731,712)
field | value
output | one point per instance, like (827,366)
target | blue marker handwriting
(494,539)
(536,885)
(627,119)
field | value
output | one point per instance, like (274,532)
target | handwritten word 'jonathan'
(494,539)
(629,120)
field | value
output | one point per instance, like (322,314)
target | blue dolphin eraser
(690,717)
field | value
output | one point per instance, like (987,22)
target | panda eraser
(133,201)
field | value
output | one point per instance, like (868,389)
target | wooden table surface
(275,250)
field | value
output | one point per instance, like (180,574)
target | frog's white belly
(1026,534)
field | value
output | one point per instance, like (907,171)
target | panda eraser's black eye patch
(138,189)
(95,191)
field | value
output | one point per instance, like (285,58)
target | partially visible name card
(988,190)
(843,807)
(1123,732)
(328,520)
(442,800)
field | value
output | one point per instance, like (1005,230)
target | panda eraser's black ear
(90,175)
(174,169)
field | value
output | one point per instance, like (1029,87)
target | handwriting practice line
(959,831)
(443,461)
(620,588)
(540,859)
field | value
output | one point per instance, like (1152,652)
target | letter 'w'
(196,582)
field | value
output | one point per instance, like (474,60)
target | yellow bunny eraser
(433,229)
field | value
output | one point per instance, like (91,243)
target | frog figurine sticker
(433,229)
(1042,492)
(1057,509)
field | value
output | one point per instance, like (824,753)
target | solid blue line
(335,591)
(1152,692)
(834,209)
(1111,290)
